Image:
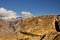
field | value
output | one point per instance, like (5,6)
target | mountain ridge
(46,27)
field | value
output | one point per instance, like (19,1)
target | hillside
(46,27)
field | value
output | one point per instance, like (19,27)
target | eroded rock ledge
(46,27)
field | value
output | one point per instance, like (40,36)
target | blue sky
(35,7)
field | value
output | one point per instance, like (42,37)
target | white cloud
(4,13)
(27,14)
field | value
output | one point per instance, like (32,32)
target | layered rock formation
(46,27)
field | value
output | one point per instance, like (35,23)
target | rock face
(46,27)
(38,25)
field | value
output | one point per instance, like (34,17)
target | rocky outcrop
(39,25)
(46,27)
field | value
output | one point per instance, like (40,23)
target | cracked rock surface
(46,27)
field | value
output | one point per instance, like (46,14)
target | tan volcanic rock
(39,25)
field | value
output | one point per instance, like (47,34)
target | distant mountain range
(9,25)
